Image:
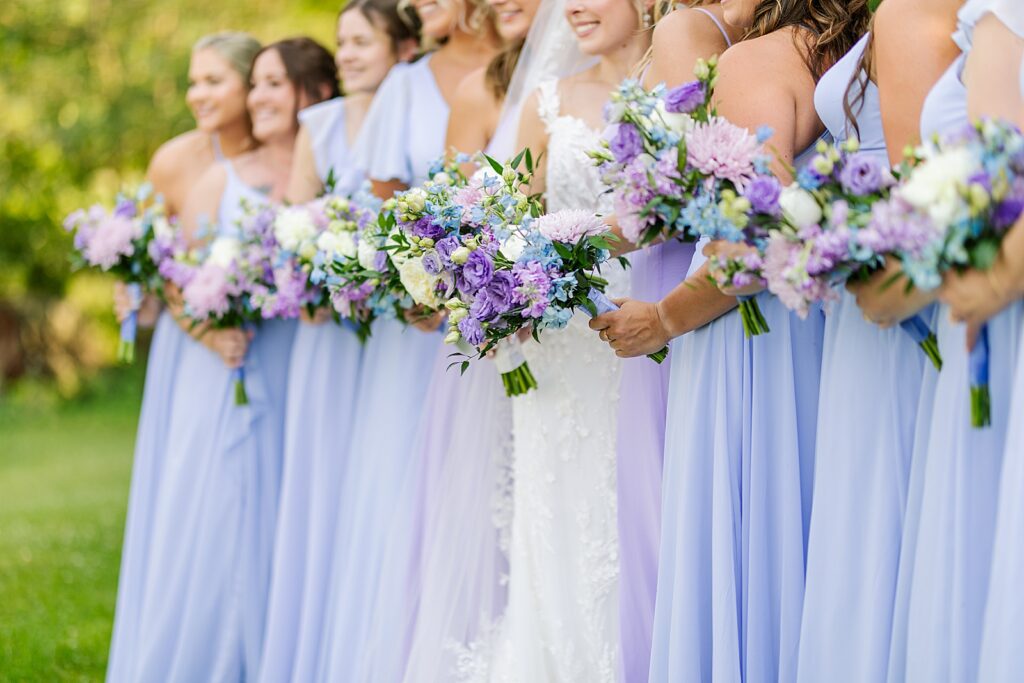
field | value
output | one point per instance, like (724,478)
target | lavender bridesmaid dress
(870,386)
(951,514)
(402,136)
(739,456)
(323,378)
(202,604)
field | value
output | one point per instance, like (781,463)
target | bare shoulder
(687,22)
(184,150)
(773,59)
(894,18)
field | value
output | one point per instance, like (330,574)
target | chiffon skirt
(946,554)
(397,367)
(202,605)
(643,390)
(739,456)
(870,386)
(322,384)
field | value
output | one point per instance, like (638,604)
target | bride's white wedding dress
(562,621)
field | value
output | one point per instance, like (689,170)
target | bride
(562,618)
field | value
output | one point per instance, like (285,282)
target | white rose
(799,206)
(292,227)
(934,185)
(335,244)
(419,284)
(224,251)
(681,123)
(513,247)
(367,255)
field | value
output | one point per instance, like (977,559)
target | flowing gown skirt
(654,272)
(947,547)
(150,452)
(392,388)
(739,457)
(204,602)
(322,384)
(870,386)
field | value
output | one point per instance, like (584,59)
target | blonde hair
(477,16)
(238,48)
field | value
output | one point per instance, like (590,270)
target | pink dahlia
(722,150)
(112,239)
(569,225)
(206,294)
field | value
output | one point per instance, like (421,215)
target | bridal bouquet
(838,225)
(126,241)
(228,282)
(965,191)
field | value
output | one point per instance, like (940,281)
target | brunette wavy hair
(309,65)
(831,26)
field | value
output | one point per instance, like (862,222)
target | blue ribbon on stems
(130,325)
(977,365)
(923,336)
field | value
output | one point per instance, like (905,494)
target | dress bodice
(573,181)
(832,93)
(326,124)
(405,127)
(235,192)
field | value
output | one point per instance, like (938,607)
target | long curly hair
(831,26)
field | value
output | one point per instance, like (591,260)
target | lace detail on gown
(562,620)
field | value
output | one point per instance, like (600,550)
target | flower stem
(519,380)
(659,356)
(930,346)
(754,322)
(981,406)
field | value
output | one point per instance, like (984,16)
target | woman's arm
(304,182)
(533,135)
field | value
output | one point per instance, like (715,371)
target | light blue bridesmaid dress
(739,456)
(460,480)
(322,383)
(1002,644)
(404,132)
(202,604)
(643,402)
(867,411)
(950,521)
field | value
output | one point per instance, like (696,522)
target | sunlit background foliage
(88,90)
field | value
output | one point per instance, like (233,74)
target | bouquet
(963,192)
(837,225)
(128,242)
(230,281)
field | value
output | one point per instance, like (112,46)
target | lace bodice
(572,178)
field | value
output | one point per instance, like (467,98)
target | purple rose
(445,247)
(478,270)
(763,194)
(431,263)
(685,98)
(483,308)
(626,144)
(862,174)
(471,330)
(500,289)
(425,228)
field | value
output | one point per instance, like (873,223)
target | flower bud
(458,315)
(460,255)
(453,304)
(823,165)
(452,337)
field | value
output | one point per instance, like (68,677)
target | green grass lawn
(64,475)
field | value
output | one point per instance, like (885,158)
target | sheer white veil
(550,51)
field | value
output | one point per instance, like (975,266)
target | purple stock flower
(862,174)
(533,288)
(763,194)
(471,330)
(685,98)
(478,270)
(125,209)
(626,144)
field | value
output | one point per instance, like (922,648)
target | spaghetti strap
(718,23)
(218,153)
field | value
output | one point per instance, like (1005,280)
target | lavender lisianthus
(483,308)
(763,194)
(432,263)
(500,289)
(862,174)
(626,144)
(425,228)
(684,99)
(478,270)
(471,330)
(445,247)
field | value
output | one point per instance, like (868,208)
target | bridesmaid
(680,38)
(218,83)
(372,37)
(870,387)
(402,137)
(994,75)
(461,478)
(740,447)
(947,548)
(202,608)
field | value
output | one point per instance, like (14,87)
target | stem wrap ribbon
(923,336)
(605,305)
(977,365)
